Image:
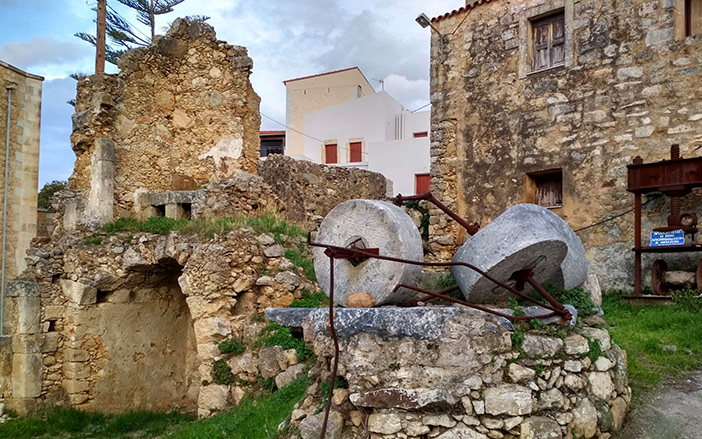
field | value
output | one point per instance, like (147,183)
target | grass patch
(231,347)
(297,258)
(93,240)
(644,330)
(72,423)
(311,300)
(159,225)
(276,335)
(253,419)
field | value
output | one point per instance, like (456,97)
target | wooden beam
(100,44)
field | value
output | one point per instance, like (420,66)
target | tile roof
(271,133)
(473,5)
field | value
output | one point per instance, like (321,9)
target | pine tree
(123,36)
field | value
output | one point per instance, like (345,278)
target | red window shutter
(356,152)
(421,183)
(420,134)
(330,153)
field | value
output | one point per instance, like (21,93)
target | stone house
(20,94)
(548,101)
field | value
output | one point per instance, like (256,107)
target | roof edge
(20,71)
(325,73)
(473,5)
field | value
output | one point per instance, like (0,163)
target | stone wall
(25,112)
(309,191)
(133,322)
(180,114)
(446,372)
(629,87)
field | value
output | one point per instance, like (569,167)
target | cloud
(56,157)
(412,93)
(43,51)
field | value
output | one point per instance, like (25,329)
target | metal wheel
(658,277)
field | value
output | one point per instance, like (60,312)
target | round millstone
(370,224)
(524,237)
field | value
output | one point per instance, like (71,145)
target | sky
(286,38)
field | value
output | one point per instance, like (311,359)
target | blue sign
(675,237)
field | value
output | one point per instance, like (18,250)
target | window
(545,188)
(356,152)
(548,42)
(420,134)
(331,153)
(421,183)
(693,17)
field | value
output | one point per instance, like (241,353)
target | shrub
(231,347)
(221,373)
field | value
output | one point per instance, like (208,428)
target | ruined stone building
(20,99)
(547,101)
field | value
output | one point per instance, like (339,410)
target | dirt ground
(673,411)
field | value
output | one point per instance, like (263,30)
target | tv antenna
(382,83)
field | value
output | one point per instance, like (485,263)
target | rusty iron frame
(471,228)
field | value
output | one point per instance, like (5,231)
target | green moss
(231,347)
(595,351)
(276,335)
(221,373)
(311,300)
(518,338)
(93,240)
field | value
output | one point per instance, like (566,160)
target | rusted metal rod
(335,366)
(472,305)
(426,298)
(471,228)
(336,251)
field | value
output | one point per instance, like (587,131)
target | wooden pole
(100,44)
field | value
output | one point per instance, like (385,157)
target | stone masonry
(24,90)
(448,372)
(180,114)
(629,86)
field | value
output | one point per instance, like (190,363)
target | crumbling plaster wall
(181,113)
(630,86)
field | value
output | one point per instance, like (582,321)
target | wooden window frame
(360,151)
(553,45)
(689,5)
(539,181)
(325,156)
(416,181)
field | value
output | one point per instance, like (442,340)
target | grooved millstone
(524,236)
(381,225)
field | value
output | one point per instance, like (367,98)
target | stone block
(510,399)
(576,345)
(76,386)
(26,375)
(540,427)
(602,335)
(311,426)
(213,397)
(519,373)
(289,375)
(49,342)
(541,346)
(601,384)
(79,292)
(54,312)
(584,422)
(384,423)
(28,318)
(22,288)
(23,406)
(268,361)
(406,399)
(75,371)
(461,432)
(27,343)
(76,355)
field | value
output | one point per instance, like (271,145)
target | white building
(361,128)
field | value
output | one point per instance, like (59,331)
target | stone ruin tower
(180,114)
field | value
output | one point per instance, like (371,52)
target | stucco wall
(630,86)
(25,114)
(304,95)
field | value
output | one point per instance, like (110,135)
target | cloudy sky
(286,39)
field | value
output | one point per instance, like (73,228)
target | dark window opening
(546,188)
(548,42)
(330,153)
(356,152)
(55,278)
(52,326)
(420,134)
(187,210)
(421,183)
(101,296)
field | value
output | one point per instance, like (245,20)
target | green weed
(93,240)
(518,338)
(595,351)
(643,331)
(301,261)
(231,347)
(311,300)
(276,335)
(221,373)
